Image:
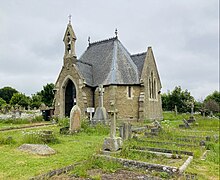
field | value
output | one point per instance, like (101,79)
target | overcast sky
(184,35)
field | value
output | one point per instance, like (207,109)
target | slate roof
(139,61)
(108,62)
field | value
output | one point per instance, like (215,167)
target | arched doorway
(70,97)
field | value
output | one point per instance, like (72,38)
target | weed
(164,175)
(63,122)
(6,140)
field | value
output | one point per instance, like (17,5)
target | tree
(178,97)
(212,102)
(47,94)
(20,99)
(214,96)
(211,105)
(2,102)
(36,101)
(6,93)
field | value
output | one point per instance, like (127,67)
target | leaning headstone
(75,115)
(185,125)
(100,113)
(112,143)
(157,124)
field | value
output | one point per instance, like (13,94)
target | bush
(64,122)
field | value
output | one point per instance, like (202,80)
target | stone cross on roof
(70,17)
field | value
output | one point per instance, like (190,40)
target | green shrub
(63,122)
(164,175)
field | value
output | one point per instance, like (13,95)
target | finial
(116,33)
(89,40)
(70,16)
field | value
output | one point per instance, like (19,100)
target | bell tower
(69,42)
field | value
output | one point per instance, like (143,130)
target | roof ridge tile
(139,54)
(102,41)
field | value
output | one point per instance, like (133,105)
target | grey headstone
(75,116)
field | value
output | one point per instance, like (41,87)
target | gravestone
(191,118)
(175,109)
(75,115)
(157,124)
(185,125)
(125,131)
(211,114)
(112,143)
(100,113)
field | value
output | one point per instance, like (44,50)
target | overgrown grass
(80,147)
(22,120)
(96,163)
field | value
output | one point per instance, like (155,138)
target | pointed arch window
(152,86)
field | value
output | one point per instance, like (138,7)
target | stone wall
(68,72)
(152,106)
(127,106)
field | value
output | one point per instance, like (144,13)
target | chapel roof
(108,62)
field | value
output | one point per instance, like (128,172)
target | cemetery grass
(18,122)
(70,149)
(81,147)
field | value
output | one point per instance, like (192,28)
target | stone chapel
(131,82)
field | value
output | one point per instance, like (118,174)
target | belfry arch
(69,97)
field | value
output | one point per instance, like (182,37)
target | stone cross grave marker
(175,109)
(100,113)
(101,92)
(90,110)
(192,107)
(191,118)
(112,143)
(75,116)
(113,124)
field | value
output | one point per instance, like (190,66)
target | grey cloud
(184,36)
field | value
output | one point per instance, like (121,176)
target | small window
(129,91)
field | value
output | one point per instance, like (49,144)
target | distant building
(131,82)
